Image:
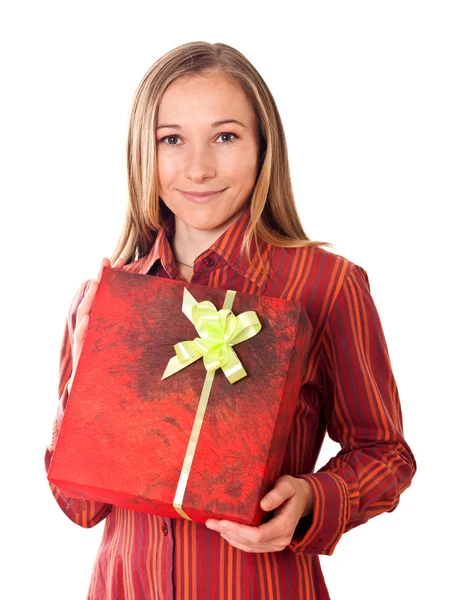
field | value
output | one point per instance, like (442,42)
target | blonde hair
(274,216)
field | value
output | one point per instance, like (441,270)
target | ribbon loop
(219,330)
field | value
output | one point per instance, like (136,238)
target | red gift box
(128,433)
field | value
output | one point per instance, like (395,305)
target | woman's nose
(199,163)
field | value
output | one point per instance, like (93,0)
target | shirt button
(210,262)
(165,529)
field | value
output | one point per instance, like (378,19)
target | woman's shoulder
(313,276)
(316,263)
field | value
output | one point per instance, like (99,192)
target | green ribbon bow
(218,331)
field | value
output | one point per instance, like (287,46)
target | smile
(201,199)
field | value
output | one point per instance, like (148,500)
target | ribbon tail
(174,365)
(188,302)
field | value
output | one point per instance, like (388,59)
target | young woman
(210,202)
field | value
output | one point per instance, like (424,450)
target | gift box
(183,398)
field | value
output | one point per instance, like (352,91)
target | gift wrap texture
(126,430)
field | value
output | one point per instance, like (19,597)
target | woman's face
(196,153)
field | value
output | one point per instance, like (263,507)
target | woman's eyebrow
(215,124)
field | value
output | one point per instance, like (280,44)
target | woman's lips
(201,199)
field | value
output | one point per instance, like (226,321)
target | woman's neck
(188,243)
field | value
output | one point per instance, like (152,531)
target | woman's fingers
(119,263)
(79,336)
(81,328)
(104,263)
(85,306)
(86,303)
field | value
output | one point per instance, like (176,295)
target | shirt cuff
(319,532)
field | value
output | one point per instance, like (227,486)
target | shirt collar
(227,245)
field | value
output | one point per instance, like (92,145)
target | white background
(365,92)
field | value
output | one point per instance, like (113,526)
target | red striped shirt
(349,391)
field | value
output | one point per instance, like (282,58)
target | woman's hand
(291,498)
(83,314)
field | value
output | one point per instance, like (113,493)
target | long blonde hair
(274,216)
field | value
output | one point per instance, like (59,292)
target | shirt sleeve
(85,513)
(361,406)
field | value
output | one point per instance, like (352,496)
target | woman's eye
(228,133)
(175,137)
(169,137)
